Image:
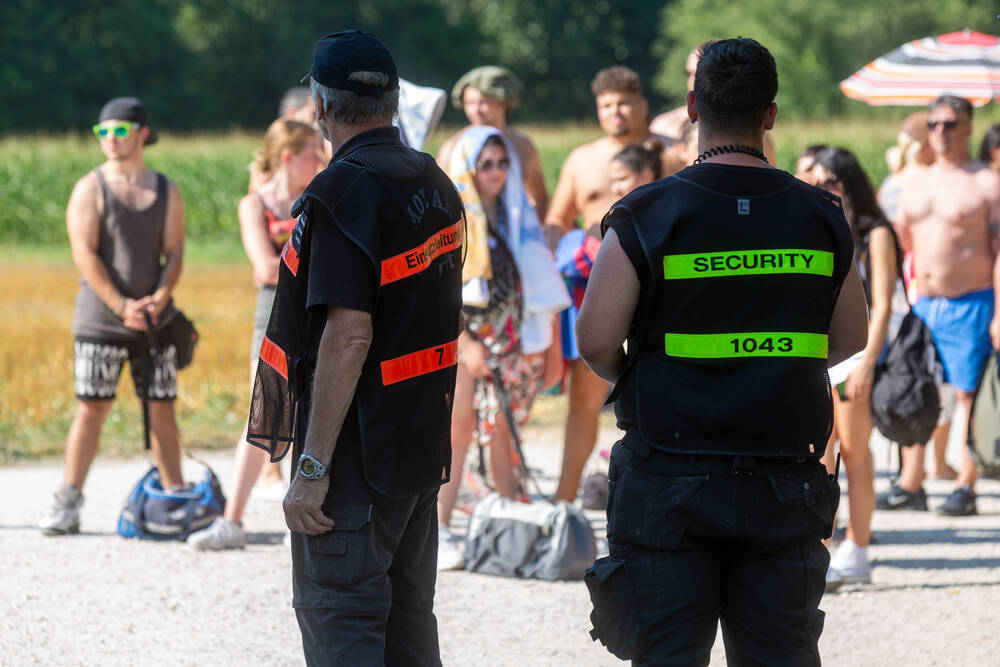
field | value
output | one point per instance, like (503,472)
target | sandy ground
(98,599)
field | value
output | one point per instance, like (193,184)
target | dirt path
(99,599)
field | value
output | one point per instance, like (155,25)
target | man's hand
(474,355)
(132,313)
(303,506)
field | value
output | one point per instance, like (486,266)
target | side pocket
(613,596)
(342,555)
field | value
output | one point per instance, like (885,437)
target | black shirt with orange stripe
(379,230)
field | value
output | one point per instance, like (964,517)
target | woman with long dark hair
(877,256)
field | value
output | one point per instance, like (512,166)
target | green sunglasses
(121,130)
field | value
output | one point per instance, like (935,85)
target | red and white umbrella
(964,63)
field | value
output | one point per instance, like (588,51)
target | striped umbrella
(964,63)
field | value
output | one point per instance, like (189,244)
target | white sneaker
(451,555)
(65,516)
(849,565)
(222,533)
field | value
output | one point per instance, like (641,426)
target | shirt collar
(380,135)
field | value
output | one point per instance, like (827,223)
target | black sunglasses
(503,164)
(946,124)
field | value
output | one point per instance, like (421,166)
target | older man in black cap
(358,371)
(488,95)
(122,218)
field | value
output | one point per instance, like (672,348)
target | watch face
(308,467)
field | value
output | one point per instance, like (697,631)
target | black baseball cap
(128,108)
(340,54)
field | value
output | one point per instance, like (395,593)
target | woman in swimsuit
(290,159)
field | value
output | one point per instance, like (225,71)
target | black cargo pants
(364,592)
(699,539)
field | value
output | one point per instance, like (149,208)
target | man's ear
(692,110)
(143,134)
(320,109)
(770,115)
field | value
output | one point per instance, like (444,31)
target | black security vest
(404,213)
(728,348)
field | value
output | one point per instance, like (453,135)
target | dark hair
(617,79)
(494,140)
(812,150)
(638,157)
(991,140)
(734,84)
(955,103)
(860,203)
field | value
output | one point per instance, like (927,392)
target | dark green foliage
(815,44)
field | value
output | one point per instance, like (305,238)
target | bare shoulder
(670,123)
(988,179)
(522,142)
(87,186)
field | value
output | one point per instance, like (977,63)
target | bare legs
(587,394)
(912,474)
(84,437)
(249,461)
(83,440)
(463,424)
(854,425)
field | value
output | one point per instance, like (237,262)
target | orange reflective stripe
(419,363)
(274,357)
(290,257)
(412,262)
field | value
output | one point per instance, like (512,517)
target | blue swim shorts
(961,329)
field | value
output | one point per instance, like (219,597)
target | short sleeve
(340,273)
(620,220)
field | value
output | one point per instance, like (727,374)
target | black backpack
(905,402)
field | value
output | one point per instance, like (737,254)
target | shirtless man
(487,95)
(947,216)
(126,232)
(672,123)
(584,190)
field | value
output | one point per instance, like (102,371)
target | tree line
(220,64)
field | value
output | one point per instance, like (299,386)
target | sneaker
(849,565)
(961,502)
(451,556)
(222,533)
(898,498)
(65,516)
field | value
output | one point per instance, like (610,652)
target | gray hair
(959,105)
(349,108)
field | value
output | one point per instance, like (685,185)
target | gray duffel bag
(539,540)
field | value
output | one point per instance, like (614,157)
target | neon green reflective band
(747,344)
(747,263)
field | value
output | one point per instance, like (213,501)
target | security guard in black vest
(358,369)
(733,284)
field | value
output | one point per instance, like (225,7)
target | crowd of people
(926,240)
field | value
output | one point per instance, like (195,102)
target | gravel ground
(97,599)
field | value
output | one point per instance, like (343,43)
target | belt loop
(744,465)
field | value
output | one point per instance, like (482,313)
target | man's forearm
(171,272)
(338,367)
(96,274)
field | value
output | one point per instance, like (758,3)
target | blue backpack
(154,514)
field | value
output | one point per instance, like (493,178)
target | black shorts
(98,365)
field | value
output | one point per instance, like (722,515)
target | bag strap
(151,340)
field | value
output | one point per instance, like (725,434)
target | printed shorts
(98,365)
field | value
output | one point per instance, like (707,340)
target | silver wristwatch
(311,468)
